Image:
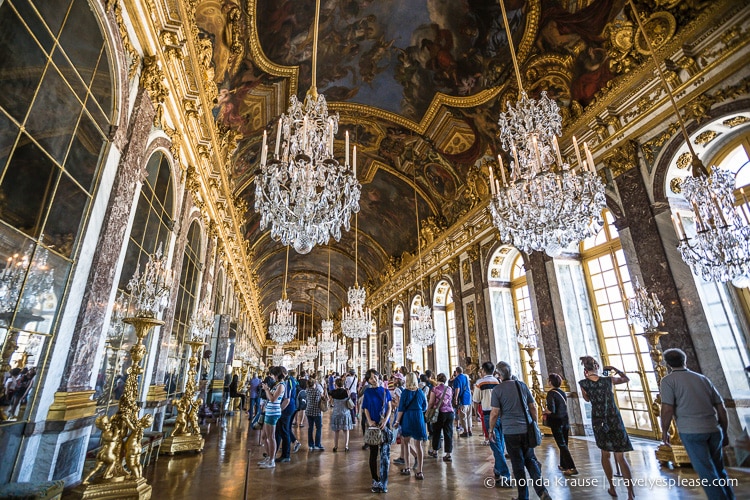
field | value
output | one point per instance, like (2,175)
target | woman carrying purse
(377,410)
(440,399)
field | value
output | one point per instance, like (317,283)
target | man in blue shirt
(462,400)
(284,434)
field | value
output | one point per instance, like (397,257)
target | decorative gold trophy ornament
(118,474)
(186,435)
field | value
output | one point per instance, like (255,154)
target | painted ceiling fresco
(419,85)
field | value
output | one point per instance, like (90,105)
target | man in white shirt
(350,384)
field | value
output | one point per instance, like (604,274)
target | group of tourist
(416,408)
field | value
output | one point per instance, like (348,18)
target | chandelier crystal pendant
(355,320)
(282,324)
(303,193)
(546,205)
(342,354)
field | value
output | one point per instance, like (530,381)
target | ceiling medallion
(547,205)
(706,137)
(303,193)
(684,161)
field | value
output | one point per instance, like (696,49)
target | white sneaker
(265,460)
(269,465)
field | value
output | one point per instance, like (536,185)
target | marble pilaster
(651,259)
(538,279)
(482,329)
(88,331)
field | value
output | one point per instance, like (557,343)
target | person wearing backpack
(301,401)
(556,415)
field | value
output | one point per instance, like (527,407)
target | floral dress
(609,429)
(341,416)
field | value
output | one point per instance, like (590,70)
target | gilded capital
(622,158)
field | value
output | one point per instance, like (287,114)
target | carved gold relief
(675,185)
(684,161)
(660,27)
(135,58)
(651,147)
(737,120)
(152,79)
(620,34)
(622,158)
(706,137)
(466,271)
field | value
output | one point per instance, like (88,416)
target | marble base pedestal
(676,454)
(177,444)
(127,489)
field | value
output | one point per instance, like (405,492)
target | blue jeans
(498,447)
(379,468)
(318,422)
(704,451)
(522,456)
(254,407)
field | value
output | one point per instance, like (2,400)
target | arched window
(185,305)
(56,107)
(397,349)
(152,226)
(444,319)
(608,285)
(511,306)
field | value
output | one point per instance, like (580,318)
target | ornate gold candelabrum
(646,311)
(526,337)
(186,435)
(118,473)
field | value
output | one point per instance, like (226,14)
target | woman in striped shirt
(274,394)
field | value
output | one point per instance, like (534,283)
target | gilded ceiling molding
(622,158)
(633,82)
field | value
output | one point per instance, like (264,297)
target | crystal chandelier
(312,350)
(327,344)
(392,354)
(410,351)
(202,324)
(277,355)
(282,326)
(342,354)
(303,192)
(527,333)
(422,331)
(644,309)
(355,320)
(547,205)
(149,292)
(720,249)
(39,280)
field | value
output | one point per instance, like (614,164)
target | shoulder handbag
(533,434)
(432,413)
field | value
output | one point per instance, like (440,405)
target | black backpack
(302,400)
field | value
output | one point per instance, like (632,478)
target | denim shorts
(271,419)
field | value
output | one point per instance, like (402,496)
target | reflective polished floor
(219,472)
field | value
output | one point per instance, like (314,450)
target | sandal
(406,472)
(419,476)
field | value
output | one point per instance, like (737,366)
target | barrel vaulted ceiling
(418,85)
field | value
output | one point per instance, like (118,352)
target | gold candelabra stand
(118,473)
(675,452)
(186,435)
(536,388)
